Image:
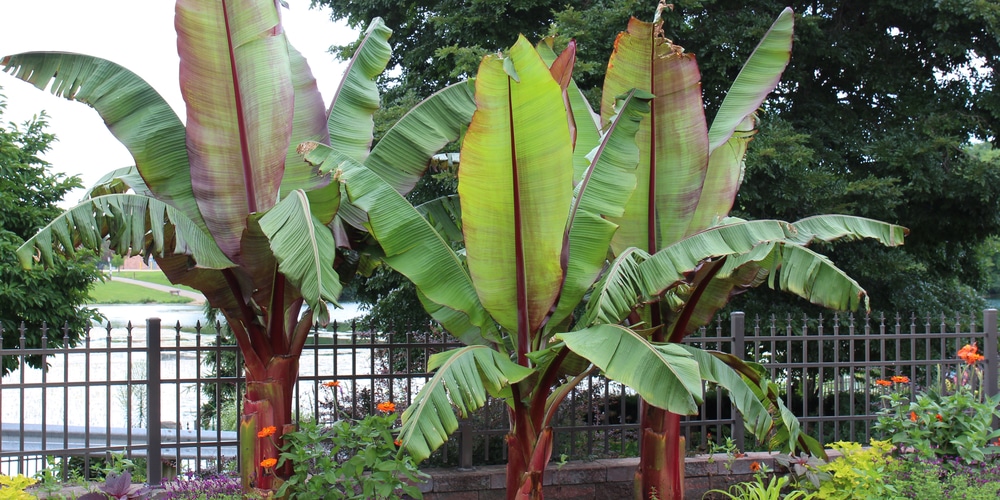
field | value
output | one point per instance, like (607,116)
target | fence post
(737,328)
(154,460)
(465,445)
(990,351)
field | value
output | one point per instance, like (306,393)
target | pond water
(57,394)
(119,315)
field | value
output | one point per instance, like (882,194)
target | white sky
(139,35)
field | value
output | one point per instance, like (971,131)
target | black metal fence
(103,396)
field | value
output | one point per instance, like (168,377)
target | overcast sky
(139,35)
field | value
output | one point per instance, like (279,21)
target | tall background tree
(886,110)
(29,193)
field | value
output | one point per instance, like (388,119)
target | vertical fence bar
(737,328)
(992,357)
(154,466)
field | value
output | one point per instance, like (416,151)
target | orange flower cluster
(939,417)
(754,466)
(267,463)
(386,406)
(970,354)
(267,431)
(900,379)
(883,382)
(332,383)
(913,416)
(397,442)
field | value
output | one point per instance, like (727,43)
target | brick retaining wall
(609,479)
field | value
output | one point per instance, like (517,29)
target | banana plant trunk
(528,453)
(661,450)
(267,403)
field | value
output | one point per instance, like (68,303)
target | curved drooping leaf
(135,114)
(774,244)
(133,224)
(665,375)
(236,81)
(787,432)
(119,180)
(673,141)
(305,250)
(411,246)
(463,378)
(516,188)
(740,390)
(846,227)
(734,123)
(350,122)
(403,154)
(614,295)
(602,192)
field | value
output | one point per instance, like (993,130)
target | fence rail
(103,396)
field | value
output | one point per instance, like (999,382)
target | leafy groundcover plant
(877,472)
(12,487)
(953,418)
(939,444)
(345,458)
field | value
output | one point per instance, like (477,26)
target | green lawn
(113,292)
(151,277)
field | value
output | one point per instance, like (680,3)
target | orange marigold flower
(900,379)
(331,383)
(913,416)
(397,442)
(386,406)
(267,463)
(970,354)
(755,466)
(883,382)
(939,417)
(267,431)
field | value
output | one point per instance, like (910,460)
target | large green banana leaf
(693,172)
(734,123)
(350,120)
(516,187)
(602,192)
(636,277)
(135,114)
(587,122)
(665,375)
(236,81)
(131,222)
(118,181)
(463,378)
(401,156)
(412,246)
(795,269)
(673,141)
(305,249)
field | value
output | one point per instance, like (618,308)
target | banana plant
(225,204)
(536,234)
(689,175)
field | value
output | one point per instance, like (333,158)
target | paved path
(198,298)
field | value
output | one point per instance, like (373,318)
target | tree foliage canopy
(876,116)
(29,193)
